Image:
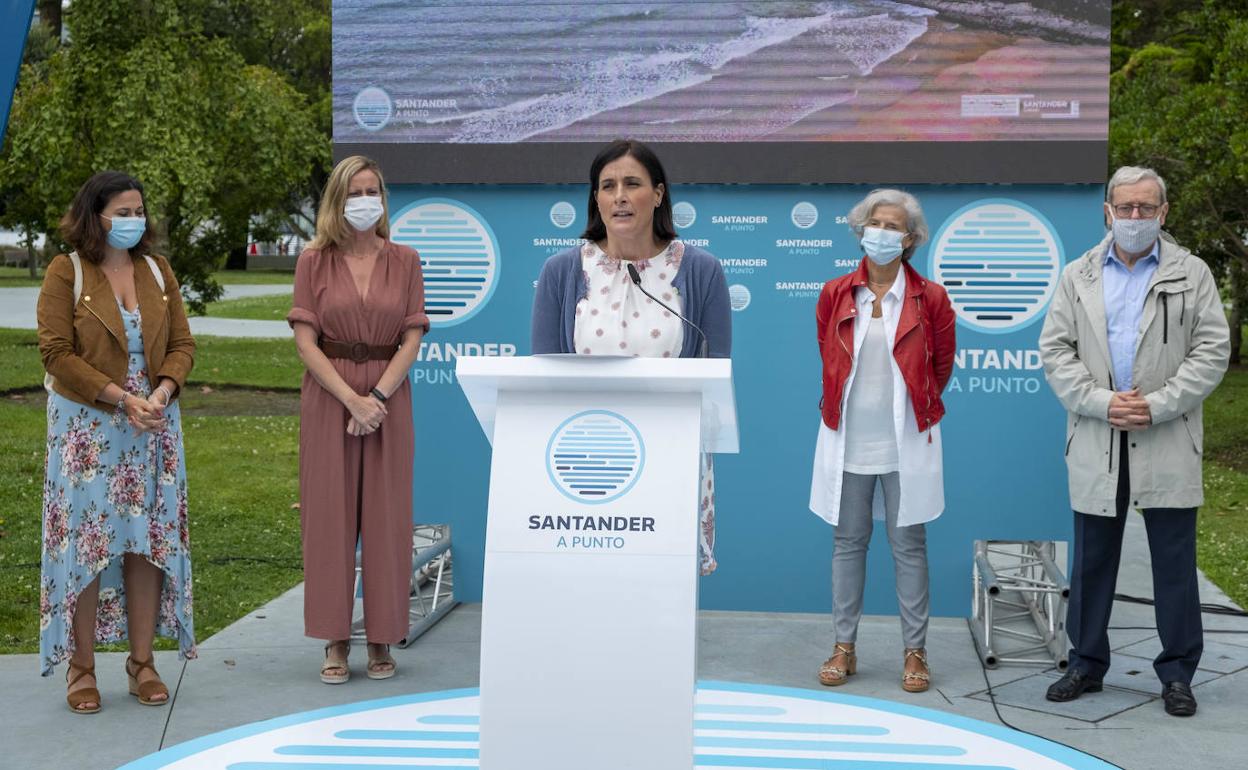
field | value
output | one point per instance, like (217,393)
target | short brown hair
(332,228)
(81,227)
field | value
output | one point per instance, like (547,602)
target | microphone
(636,278)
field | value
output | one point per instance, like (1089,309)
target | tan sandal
(376,663)
(831,674)
(334,670)
(147,691)
(916,681)
(76,698)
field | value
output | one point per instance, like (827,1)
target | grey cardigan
(699,282)
(1180,358)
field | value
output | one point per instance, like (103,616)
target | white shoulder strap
(160,279)
(77,263)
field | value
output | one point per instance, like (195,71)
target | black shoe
(1071,686)
(1178,699)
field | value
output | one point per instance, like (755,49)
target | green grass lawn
(1222,531)
(20,276)
(258,363)
(242,441)
(254,277)
(272,307)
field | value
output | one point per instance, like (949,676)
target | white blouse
(616,318)
(870,443)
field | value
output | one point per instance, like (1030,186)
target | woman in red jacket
(886,337)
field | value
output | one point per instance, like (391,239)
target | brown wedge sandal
(147,691)
(916,681)
(831,674)
(334,670)
(380,666)
(76,698)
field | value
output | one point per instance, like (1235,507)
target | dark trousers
(1094,575)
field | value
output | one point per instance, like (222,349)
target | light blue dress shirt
(1125,290)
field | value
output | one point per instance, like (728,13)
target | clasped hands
(1128,410)
(146,415)
(366,415)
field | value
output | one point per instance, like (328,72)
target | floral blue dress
(108,492)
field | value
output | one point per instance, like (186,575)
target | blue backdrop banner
(16,15)
(997,249)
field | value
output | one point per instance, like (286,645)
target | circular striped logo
(999,260)
(684,214)
(372,108)
(804,215)
(458,256)
(595,456)
(562,214)
(738,296)
(735,725)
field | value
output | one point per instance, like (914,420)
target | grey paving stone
(1132,673)
(1219,656)
(1028,694)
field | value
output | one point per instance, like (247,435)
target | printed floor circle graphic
(736,725)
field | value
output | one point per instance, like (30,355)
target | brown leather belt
(358,352)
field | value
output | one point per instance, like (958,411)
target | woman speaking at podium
(358,316)
(624,292)
(886,337)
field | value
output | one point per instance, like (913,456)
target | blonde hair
(332,228)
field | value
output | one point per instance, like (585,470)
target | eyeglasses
(1147,210)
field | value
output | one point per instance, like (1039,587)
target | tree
(1177,104)
(143,88)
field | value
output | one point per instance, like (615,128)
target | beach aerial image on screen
(859,70)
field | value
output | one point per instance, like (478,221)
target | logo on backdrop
(595,456)
(1000,260)
(458,255)
(684,214)
(562,214)
(738,296)
(804,215)
(373,108)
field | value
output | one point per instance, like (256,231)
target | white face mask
(1135,235)
(363,211)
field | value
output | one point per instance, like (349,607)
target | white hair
(916,223)
(1132,175)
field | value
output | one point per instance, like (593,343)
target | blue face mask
(880,245)
(126,231)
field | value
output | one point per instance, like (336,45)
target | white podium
(589,618)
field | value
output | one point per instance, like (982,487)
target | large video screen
(763,91)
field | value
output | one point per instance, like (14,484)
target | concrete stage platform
(262,668)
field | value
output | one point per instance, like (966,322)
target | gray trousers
(849,559)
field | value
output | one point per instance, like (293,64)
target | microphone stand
(636,279)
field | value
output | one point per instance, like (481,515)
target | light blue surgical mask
(126,232)
(1136,235)
(882,246)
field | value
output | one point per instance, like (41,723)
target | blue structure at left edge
(997,249)
(16,15)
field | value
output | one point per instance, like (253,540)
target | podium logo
(999,260)
(372,108)
(595,457)
(562,214)
(684,214)
(458,256)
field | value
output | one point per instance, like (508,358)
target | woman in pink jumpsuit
(358,316)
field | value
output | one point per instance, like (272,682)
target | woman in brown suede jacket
(117,348)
